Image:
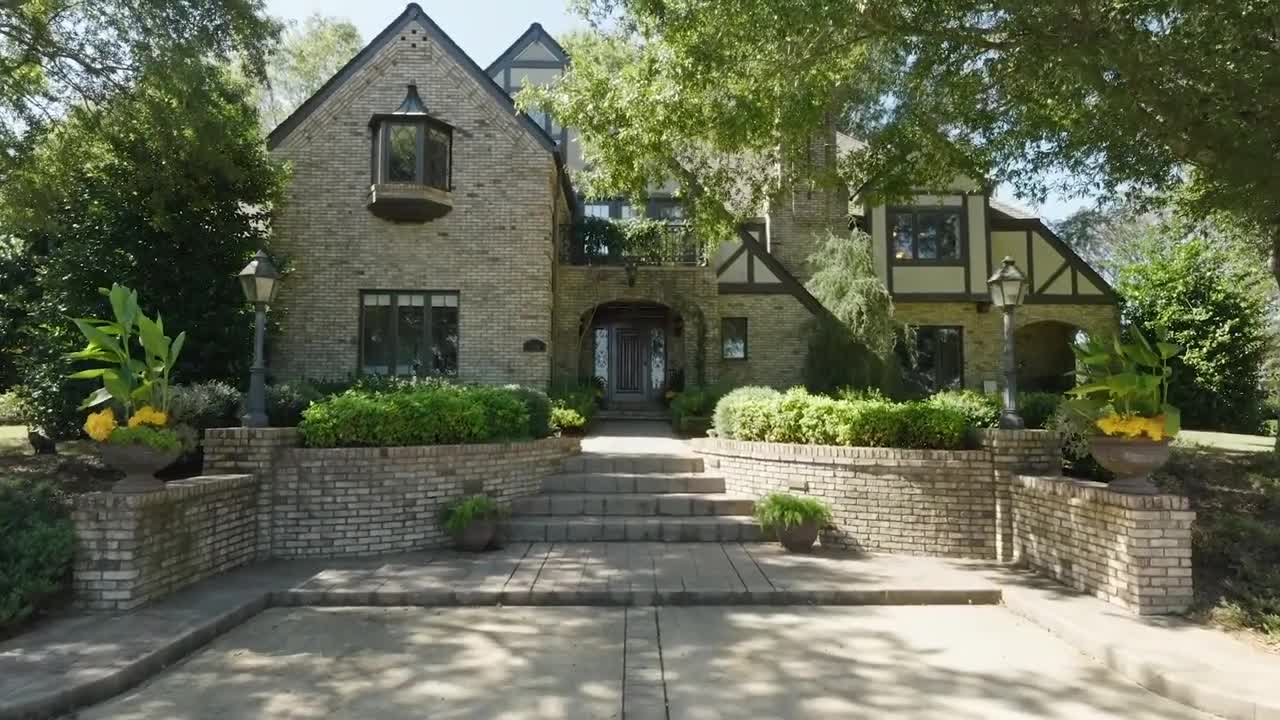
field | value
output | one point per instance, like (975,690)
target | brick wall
(136,548)
(1130,550)
(365,501)
(368,501)
(917,502)
(1015,452)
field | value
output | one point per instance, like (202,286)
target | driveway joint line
(755,562)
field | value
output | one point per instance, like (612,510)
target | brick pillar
(254,451)
(1017,452)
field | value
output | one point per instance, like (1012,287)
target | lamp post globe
(260,281)
(1008,288)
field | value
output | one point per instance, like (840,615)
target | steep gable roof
(412,13)
(535,34)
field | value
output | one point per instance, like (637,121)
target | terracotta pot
(478,535)
(139,463)
(1132,460)
(799,538)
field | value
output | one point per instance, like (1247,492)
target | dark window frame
(746,337)
(424,126)
(960,344)
(961,257)
(428,324)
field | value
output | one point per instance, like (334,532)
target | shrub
(10,408)
(727,415)
(835,359)
(286,403)
(425,414)
(798,417)
(579,397)
(980,411)
(538,406)
(568,420)
(37,544)
(694,402)
(205,405)
(780,510)
(1036,408)
(459,514)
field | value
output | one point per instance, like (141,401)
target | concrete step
(591,463)
(610,482)
(598,528)
(638,414)
(632,504)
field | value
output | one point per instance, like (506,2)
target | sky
(484,28)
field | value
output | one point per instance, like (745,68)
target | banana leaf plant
(131,376)
(1125,379)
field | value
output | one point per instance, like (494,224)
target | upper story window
(925,235)
(412,163)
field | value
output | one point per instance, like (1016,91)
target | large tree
(55,54)
(309,54)
(167,189)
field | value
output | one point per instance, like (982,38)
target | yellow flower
(147,415)
(100,425)
(1132,426)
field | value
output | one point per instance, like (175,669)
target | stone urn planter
(1132,460)
(799,538)
(139,463)
(477,535)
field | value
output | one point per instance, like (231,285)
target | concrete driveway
(918,663)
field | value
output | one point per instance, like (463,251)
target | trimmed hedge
(983,411)
(761,414)
(426,414)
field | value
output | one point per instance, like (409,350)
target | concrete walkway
(79,660)
(634,437)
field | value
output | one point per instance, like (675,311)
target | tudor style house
(432,228)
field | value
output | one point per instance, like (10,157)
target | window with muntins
(415,152)
(411,333)
(925,235)
(939,358)
(733,338)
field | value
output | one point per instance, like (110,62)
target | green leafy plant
(568,421)
(10,408)
(1126,386)
(980,411)
(782,510)
(37,545)
(459,514)
(538,406)
(1036,408)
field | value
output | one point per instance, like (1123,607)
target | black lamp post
(260,281)
(1008,288)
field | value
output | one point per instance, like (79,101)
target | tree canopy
(309,54)
(1122,97)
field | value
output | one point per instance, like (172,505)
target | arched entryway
(636,349)
(1045,360)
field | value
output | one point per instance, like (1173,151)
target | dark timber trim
(753,289)
(784,276)
(1066,265)
(732,259)
(1036,225)
(535,33)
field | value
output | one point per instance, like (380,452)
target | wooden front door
(630,371)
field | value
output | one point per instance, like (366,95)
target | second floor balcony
(646,242)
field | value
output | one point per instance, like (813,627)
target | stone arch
(1045,360)
(682,336)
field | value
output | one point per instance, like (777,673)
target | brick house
(429,228)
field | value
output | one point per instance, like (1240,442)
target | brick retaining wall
(365,501)
(136,548)
(1130,550)
(919,502)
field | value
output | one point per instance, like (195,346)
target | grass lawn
(1234,485)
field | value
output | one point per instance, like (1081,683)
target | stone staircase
(633,498)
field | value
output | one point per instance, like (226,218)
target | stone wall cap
(1077,490)
(173,490)
(825,454)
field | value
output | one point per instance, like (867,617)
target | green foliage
(286,402)
(127,379)
(429,414)
(980,411)
(10,408)
(309,54)
(459,514)
(37,544)
(1125,378)
(696,401)
(166,188)
(154,438)
(1037,408)
(50,401)
(835,360)
(781,510)
(1202,296)
(646,241)
(212,404)
(798,417)
(578,397)
(538,406)
(844,280)
(568,421)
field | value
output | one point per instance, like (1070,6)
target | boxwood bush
(983,411)
(425,414)
(798,417)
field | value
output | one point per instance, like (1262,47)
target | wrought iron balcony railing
(598,241)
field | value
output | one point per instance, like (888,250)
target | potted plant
(795,520)
(473,521)
(135,384)
(1125,397)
